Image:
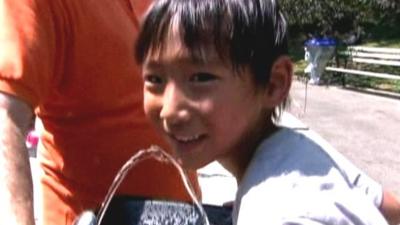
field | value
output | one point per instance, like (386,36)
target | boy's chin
(191,164)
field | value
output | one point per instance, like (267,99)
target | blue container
(321,42)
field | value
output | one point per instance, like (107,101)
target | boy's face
(204,110)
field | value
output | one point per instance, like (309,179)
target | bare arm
(390,208)
(16,189)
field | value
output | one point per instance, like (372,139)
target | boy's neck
(238,162)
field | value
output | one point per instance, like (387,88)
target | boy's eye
(203,77)
(153,79)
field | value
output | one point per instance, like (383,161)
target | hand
(390,208)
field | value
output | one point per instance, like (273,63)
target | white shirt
(295,178)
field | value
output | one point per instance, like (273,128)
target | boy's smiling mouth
(187,138)
(186,142)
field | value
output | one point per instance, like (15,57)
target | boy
(216,74)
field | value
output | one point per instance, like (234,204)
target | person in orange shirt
(71,64)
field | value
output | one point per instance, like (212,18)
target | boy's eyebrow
(159,63)
(153,64)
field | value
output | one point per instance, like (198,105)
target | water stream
(160,155)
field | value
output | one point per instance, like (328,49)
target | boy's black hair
(247,33)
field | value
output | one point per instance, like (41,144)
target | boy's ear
(278,87)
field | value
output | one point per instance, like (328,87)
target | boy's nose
(175,107)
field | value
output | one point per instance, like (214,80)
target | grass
(391,43)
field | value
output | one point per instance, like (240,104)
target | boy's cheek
(152,114)
(152,111)
(156,121)
(150,103)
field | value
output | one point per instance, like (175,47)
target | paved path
(364,127)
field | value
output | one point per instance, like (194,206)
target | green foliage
(320,16)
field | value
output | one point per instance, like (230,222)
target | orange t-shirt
(72,60)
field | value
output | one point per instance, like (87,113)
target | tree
(319,16)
